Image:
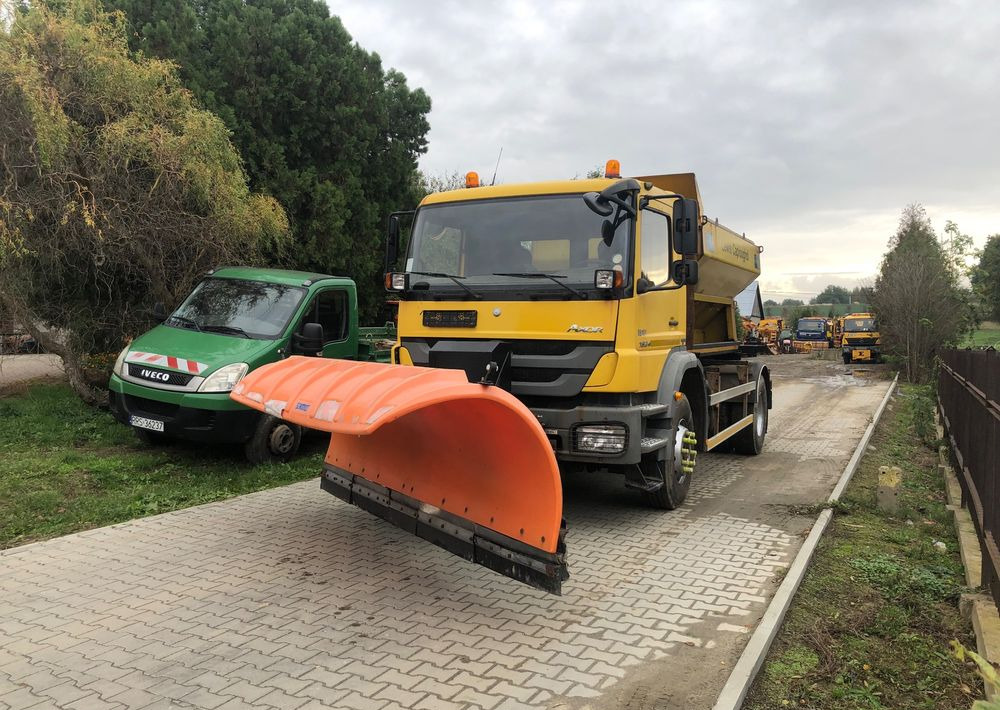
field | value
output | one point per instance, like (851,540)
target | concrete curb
(742,676)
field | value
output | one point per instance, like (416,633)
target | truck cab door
(331,308)
(660,314)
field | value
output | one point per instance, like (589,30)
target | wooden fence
(969,400)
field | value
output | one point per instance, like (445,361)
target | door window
(329,309)
(655,247)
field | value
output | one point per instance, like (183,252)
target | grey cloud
(795,115)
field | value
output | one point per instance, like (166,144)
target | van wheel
(677,469)
(273,440)
(151,438)
(750,441)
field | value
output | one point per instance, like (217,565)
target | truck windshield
(238,308)
(496,245)
(812,326)
(859,325)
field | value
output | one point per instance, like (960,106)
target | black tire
(273,440)
(675,482)
(750,441)
(151,438)
(847,358)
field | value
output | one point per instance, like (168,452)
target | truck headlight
(119,367)
(600,438)
(225,378)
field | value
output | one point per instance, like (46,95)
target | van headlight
(119,368)
(225,378)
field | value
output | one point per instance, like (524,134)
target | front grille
(156,375)
(140,405)
(553,368)
(859,341)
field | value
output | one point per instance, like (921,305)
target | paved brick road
(290,599)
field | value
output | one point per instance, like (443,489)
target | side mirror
(392,242)
(160,313)
(685,272)
(686,225)
(310,340)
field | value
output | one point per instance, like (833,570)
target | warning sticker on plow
(463,465)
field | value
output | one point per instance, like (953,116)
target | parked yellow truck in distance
(861,341)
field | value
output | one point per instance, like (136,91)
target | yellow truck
(542,327)
(860,339)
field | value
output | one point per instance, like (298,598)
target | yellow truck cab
(861,341)
(604,305)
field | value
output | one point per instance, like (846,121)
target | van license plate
(143,423)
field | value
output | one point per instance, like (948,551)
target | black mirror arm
(649,198)
(663,288)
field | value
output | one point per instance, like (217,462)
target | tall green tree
(986,279)
(917,297)
(833,294)
(319,122)
(116,189)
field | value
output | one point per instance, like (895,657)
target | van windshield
(494,244)
(239,308)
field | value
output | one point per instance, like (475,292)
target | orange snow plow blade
(463,465)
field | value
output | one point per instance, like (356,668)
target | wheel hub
(685,451)
(282,438)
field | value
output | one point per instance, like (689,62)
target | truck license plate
(863,354)
(144,423)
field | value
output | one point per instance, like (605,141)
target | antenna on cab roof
(494,180)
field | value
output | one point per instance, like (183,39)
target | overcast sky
(810,125)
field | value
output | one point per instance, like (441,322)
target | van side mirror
(685,272)
(160,313)
(309,341)
(686,225)
(392,242)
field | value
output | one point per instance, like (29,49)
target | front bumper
(862,352)
(195,417)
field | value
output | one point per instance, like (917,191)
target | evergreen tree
(319,122)
(833,294)
(917,296)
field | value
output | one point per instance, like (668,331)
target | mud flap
(465,466)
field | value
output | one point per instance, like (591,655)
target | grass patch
(66,467)
(871,623)
(988,334)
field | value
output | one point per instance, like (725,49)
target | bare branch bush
(116,190)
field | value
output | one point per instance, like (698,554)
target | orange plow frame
(463,465)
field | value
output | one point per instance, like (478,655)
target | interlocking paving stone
(288,598)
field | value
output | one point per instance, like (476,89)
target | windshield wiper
(554,278)
(226,329)
(456,279)
(182,319)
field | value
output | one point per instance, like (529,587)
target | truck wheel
(750,441)
(273,440)
(847,358)
(676,471)
(151,438)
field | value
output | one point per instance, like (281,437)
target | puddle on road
(837,381)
